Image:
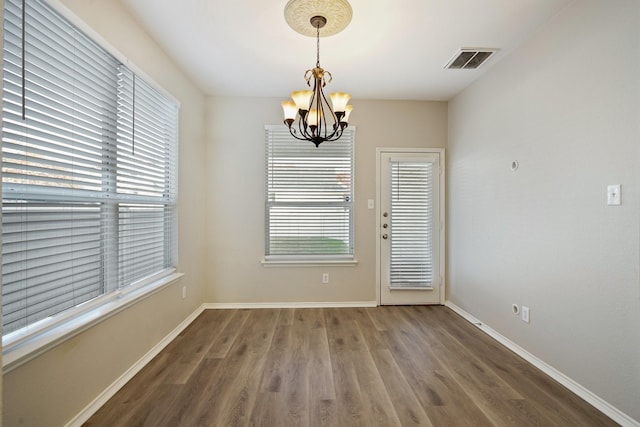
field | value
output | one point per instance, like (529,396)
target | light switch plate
(613,195)
(370,204)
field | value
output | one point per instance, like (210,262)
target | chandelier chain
(318,46)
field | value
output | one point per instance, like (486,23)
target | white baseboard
(347,304)
(107,394)
(605,407)
(597,402)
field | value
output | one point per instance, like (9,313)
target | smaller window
(309,197)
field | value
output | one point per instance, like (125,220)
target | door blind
(411,263)
(309,200)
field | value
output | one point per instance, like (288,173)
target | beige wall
(566,105)
(56,386)
(235,199)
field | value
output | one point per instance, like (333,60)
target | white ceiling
(393,49)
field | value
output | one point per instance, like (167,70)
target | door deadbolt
(385,236)
(385,214)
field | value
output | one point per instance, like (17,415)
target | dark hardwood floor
(384,366)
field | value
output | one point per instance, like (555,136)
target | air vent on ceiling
(469,58)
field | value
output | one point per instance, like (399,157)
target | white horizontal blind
(411,223)
(146,179)
(52,259)
(309,200)
(64,233)
(54,164)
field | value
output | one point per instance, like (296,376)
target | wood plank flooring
(383,366)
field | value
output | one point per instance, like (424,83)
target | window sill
(31,345)
(309,262)
(411,288)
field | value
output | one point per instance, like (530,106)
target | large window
(309,197)
(88,172)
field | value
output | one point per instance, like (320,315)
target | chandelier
(318,120)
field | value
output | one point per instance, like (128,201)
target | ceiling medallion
(318,121)
(298,14)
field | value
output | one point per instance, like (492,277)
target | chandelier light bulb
(314,117)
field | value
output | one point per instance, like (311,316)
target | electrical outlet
(613,195)
(525,314)
(325,278)
(184,292)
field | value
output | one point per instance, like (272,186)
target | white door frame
(442,248)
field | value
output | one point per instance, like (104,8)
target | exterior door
(410,214)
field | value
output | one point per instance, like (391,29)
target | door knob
(385,236)
(385,225)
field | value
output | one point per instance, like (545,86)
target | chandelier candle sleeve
(340,101)
(290,111)
(347,113)
(302,99)
(318,120)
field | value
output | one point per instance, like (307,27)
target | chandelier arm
(321,132)
(307,77)
(323,117)
(293,133)
(334,118)
(326,102)
(302,124)
(322,123)
(330,78)
(318,132)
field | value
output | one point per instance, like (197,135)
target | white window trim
(302,261)
(64,10)
(18,349)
